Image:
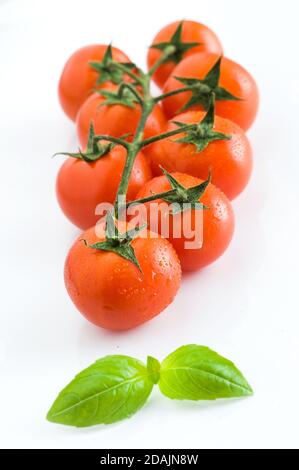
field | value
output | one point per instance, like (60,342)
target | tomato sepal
(107,69)
(203,134)
(175,47)
(117,242)
(180,198)
(203,89)
(95,149)
(126,95)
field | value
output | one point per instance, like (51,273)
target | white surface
(245,306)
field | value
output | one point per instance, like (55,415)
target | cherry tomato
(116,120)
(78,78)
(233,78)
(111,291)
(217,222)
(81,186)
(230,161)
(191,32)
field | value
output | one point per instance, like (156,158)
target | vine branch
(165,135)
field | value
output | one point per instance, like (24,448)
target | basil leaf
(153,367)
(111,389)
(197,373)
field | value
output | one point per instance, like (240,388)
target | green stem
(133,150)
(114,140)
(134,147)
(133,90)
(128,72)
(168,51)
(151,198)
(147,109)
(177,131)
(172,93)
(123,186)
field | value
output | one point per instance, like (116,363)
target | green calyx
(175,48)
(108,69)
(203,90)
(203,134)
(119,243)
(185,198)
(94,150)
(180,198)
(126,95)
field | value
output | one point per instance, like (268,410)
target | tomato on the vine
(116,119)
(111,291)
(194,37)
(237,96)
(217,221)
(229,158)
(79,79)
(81,185)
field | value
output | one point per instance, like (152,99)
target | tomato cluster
(182,153)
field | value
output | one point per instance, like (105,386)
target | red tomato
(218,221)
(81,186)
(116,119)
(78,78)
(191,32)
(233,78)
(111,292)
(230,161)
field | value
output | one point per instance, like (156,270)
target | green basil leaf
(197,373)
(153,367)
(111,389)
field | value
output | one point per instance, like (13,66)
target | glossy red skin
(116,120)
(230,161)
(111,292)
(233,77)
(81,186)
(218,222)
(78,79)
(192,32)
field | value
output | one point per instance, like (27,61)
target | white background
(245,306)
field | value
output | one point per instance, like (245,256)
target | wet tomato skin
(217,222)
(111,292)
(230,161)
(81,186)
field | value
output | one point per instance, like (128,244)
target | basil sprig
(116,387)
